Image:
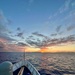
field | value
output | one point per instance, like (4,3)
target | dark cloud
(39,35)
(51,42)
(70,27)
(20,34)
(6,37)
(21,44)
(54,34)
(32,43)
(31,36)
(63,40)
(57,31)
(58,28)
(71,38)
(18,29)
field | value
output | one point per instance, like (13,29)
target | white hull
(28,65)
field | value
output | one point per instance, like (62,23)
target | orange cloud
(3,40)
(6,47)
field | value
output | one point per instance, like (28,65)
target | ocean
(45,63)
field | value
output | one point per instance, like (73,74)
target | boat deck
(20,68)
(22,71)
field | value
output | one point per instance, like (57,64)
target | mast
(24,54)
(24,49)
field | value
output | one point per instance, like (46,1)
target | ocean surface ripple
(45,63)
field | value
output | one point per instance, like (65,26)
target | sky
(37,25)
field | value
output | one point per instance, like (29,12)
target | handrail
(34,69)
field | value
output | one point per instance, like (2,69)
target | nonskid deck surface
(24,69)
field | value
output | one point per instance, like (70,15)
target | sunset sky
(37,25)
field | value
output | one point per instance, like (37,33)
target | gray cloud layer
(51,42)
(72,27)
(39,35)
(21,44)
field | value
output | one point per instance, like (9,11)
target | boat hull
(31,68)
(20,68)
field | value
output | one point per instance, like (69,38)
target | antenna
(24,54)
(24,49)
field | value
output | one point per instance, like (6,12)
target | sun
(43,50)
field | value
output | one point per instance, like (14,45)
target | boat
(21,68)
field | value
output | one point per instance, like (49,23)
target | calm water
(45,63)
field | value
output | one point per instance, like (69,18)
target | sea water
(45,63)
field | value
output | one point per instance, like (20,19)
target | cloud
(31,42)
(4,31)
(6,42)
(21,44)
(3,19)
(3,27)
(58,28)
(63,40)
(51,42)
(31,36)
(6,37)
(63,17)
(53,18)
(20,34)
(65,7)
(39,35)
(1,45)
(72,27)
(54,34)
(18,29)
(60,32)
(12,47)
